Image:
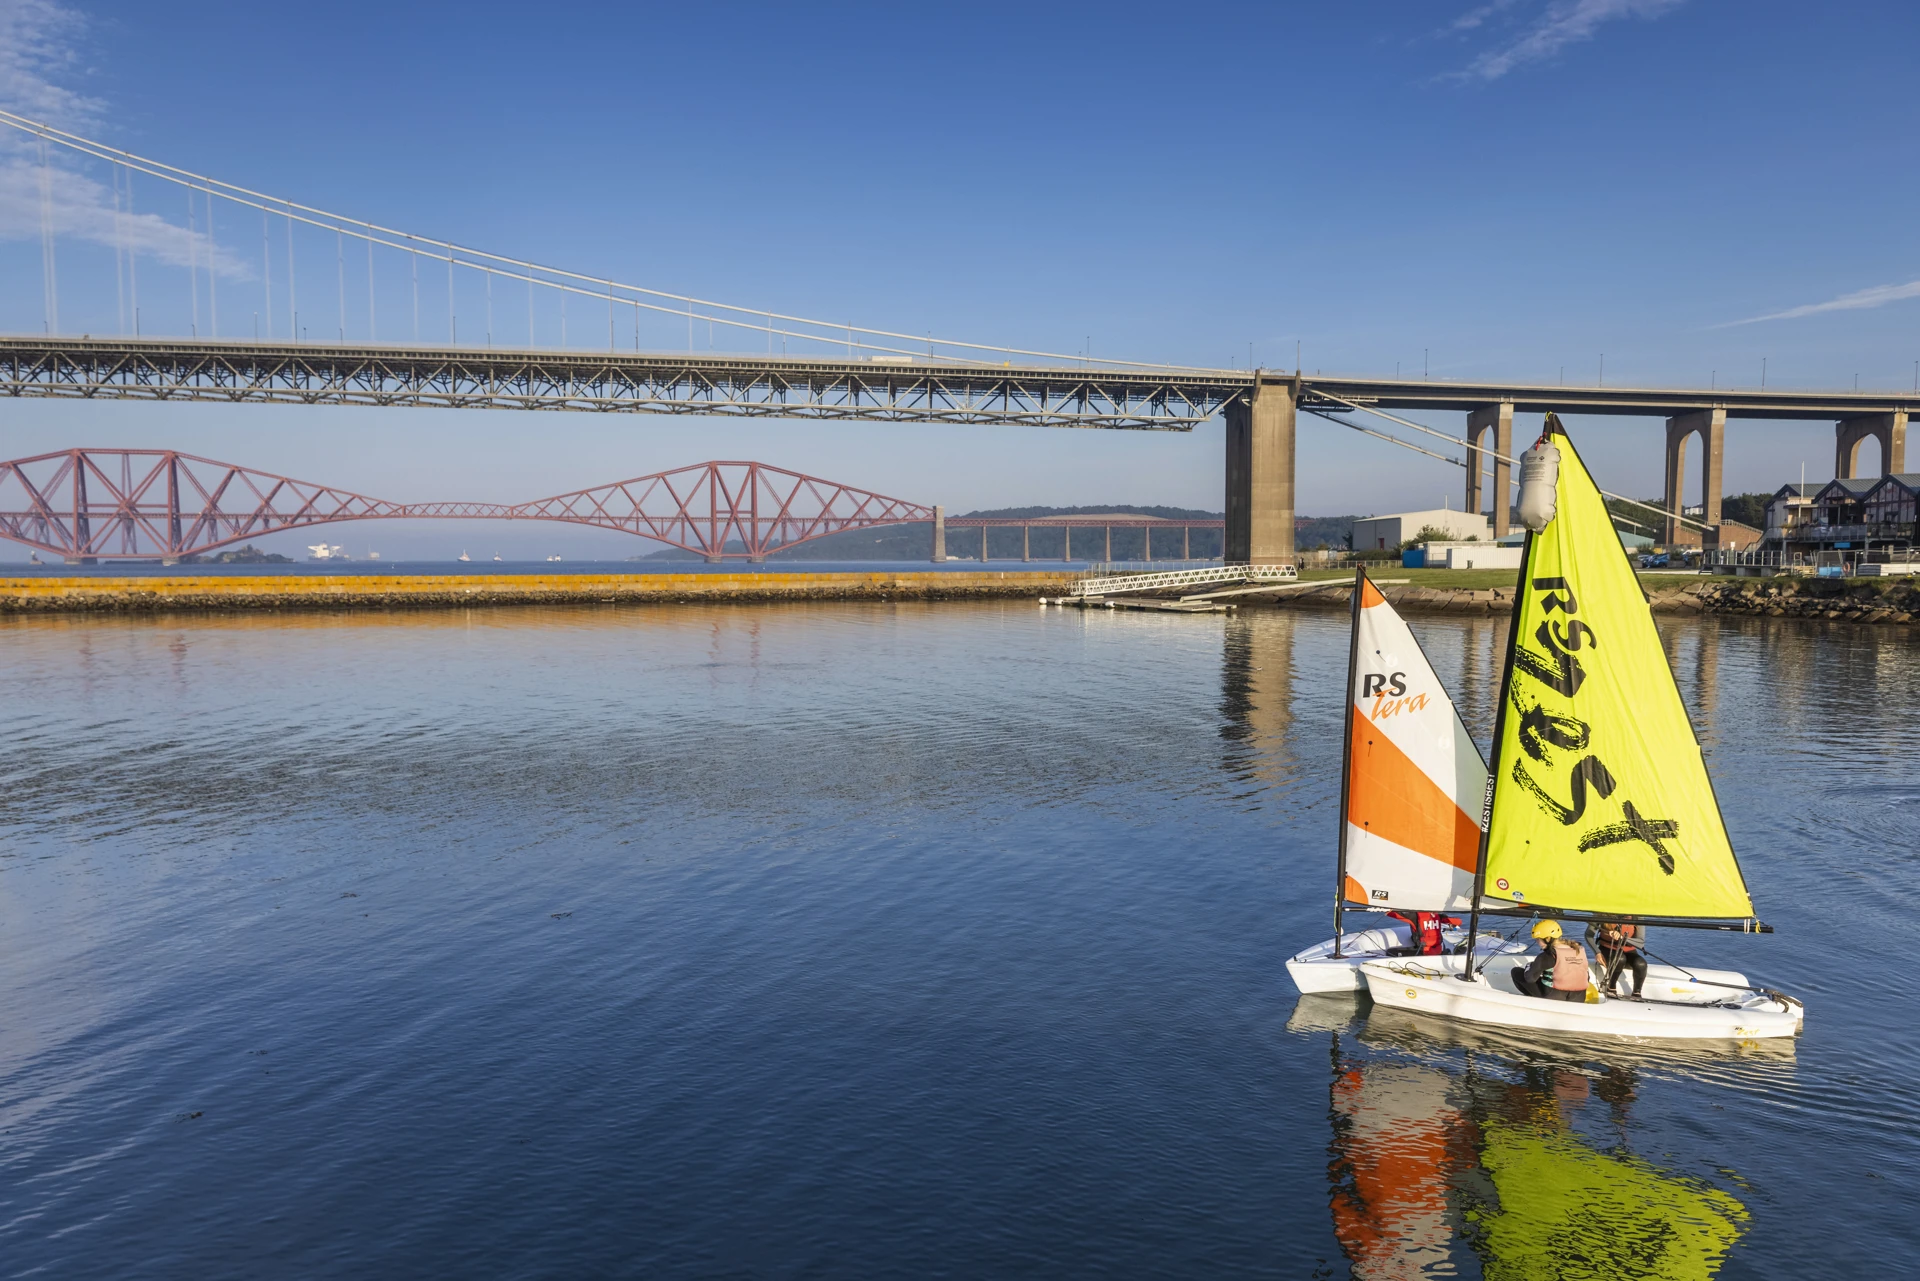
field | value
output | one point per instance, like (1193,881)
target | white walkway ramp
(1167,580)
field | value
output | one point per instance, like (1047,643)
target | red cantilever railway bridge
(148,504)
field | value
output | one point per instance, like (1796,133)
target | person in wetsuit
(1618,946)
(1424,927)
(1560,972)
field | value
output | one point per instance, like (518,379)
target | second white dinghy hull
(1701,1005)
(1316,969)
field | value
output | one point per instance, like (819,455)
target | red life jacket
(1425,928)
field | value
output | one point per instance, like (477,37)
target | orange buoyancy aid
(1569,966)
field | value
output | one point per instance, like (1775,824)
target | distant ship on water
(327,551)
(464,556)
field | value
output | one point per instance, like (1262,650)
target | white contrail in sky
(1565,22)
(38,46)
(1858,300)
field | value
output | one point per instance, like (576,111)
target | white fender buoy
(1539,480)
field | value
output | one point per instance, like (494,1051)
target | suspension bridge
(232,295)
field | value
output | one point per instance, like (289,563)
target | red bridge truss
(123,504)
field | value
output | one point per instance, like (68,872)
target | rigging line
(1495,455)
(173,173)
(1380,435)
(1691,976)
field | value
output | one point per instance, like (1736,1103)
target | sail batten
(1602,803)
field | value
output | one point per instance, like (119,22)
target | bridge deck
(892,389)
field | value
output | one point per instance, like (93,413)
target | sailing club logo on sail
(1556,665)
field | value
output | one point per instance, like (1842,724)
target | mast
(1499,732)
(1346,756)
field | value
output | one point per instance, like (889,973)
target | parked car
(1654,561)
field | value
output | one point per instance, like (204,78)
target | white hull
(1691,1005)
(1316,969)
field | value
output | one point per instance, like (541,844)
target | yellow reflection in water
(1568,1211)
(1432,1156)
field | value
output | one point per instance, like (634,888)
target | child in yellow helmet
(1561,971)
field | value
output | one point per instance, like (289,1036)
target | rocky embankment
(1859,600)
(1856,600)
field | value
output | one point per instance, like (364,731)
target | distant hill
(915,542)
(1310,532)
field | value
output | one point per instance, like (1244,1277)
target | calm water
(871,941)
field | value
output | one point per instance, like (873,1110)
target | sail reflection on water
(1441,1152)
(1401,1146)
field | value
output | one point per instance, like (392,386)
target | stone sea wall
(1853,600)
(433,591)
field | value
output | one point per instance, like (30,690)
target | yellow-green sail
(1568,1211)
(1601,801)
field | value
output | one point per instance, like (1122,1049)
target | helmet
(1546,929)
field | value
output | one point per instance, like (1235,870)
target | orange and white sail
(1415,780)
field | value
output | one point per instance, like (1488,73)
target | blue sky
(1505,190)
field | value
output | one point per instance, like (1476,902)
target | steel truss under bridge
(881,390)
(121,504)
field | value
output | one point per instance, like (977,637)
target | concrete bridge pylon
(1260,472)
(1497,419)
(1711,426)
(1889,429)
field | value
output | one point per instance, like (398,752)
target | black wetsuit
(1621,953)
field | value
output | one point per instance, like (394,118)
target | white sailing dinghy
(1410,795)
(1600,807)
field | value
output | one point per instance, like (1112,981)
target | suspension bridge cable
(193,263)
(119,260)
(213,295)
(1380,435)
(266,268)
(1498,457)
(49,276)
(452,252)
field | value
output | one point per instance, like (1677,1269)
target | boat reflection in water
(1449,1141)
